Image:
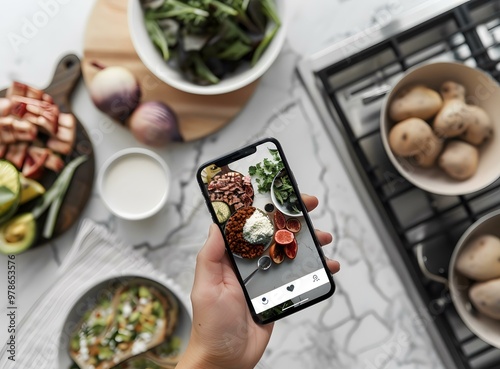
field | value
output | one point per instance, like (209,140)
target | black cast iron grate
(470,34)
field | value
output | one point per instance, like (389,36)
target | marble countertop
(370,322)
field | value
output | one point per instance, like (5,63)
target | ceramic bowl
(134,183)
(105,289)
(481,90)
(152,59)
(277,204)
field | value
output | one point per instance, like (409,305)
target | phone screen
(253,197)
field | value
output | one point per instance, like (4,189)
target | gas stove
(346,83)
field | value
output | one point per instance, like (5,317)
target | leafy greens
(207,39)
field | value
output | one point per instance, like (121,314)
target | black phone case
(236,155)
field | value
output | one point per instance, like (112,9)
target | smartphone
(252,196)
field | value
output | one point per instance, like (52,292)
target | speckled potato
(451,90)
(427,157)
(480,259)
(451,121)
(485,296)
(480,128)
(459,160)
(409,137)
(415,102)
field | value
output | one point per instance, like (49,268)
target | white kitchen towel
(96,255)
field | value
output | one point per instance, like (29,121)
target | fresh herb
(270,170)
(285,194)
(266,171)
(208,39)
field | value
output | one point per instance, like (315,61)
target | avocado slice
(18,234)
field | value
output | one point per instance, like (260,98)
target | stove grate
(470,34)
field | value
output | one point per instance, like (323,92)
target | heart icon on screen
(290,288)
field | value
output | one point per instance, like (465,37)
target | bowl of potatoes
(440,127)
(475,278)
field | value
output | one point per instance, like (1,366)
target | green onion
(56,192)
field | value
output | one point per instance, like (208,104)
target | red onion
(154,123)
(115,91)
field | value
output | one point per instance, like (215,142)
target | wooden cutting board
(107,41)
(66,76)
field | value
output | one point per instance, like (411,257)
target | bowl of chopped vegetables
(207,47)
(283,196)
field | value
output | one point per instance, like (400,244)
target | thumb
(209,260)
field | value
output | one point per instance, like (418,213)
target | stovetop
(346,83)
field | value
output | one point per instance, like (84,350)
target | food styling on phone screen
(253,198)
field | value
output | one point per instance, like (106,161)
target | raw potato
(452,120)
(459,160)
(426,158)
(451,90)
(479,128)
(485,296)
(480,259)
(409,137)
(415,102)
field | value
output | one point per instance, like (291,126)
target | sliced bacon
(7,130)
(16,153)
(54,162)
(38,107)
(5,107)
(24,130)
(59,146)
(35,161)
(67,120)
(17,89)
(34,93)
(42,123)
(66,135)
(47,98)
(24,113)
(19,109)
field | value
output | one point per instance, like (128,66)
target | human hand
(223,334)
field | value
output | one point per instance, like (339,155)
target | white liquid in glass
(134,184)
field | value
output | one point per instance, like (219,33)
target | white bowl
(153,60)
(134,183)
(484,92)
(277,204)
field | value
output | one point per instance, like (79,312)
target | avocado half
(18,234)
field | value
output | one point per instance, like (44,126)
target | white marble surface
(370,322)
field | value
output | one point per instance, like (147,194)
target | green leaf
(158,37)
(6,195)
(236,51)
(264,44)
(203,71)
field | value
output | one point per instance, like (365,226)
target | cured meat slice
(5,107)
(54,162)
(67,120)
(7,130)
(24,130)
(16,153)
(66,135)
(42,123)
(34,93)
(59,146)
(34,163)
(16,89)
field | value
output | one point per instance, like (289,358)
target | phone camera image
(254,202)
